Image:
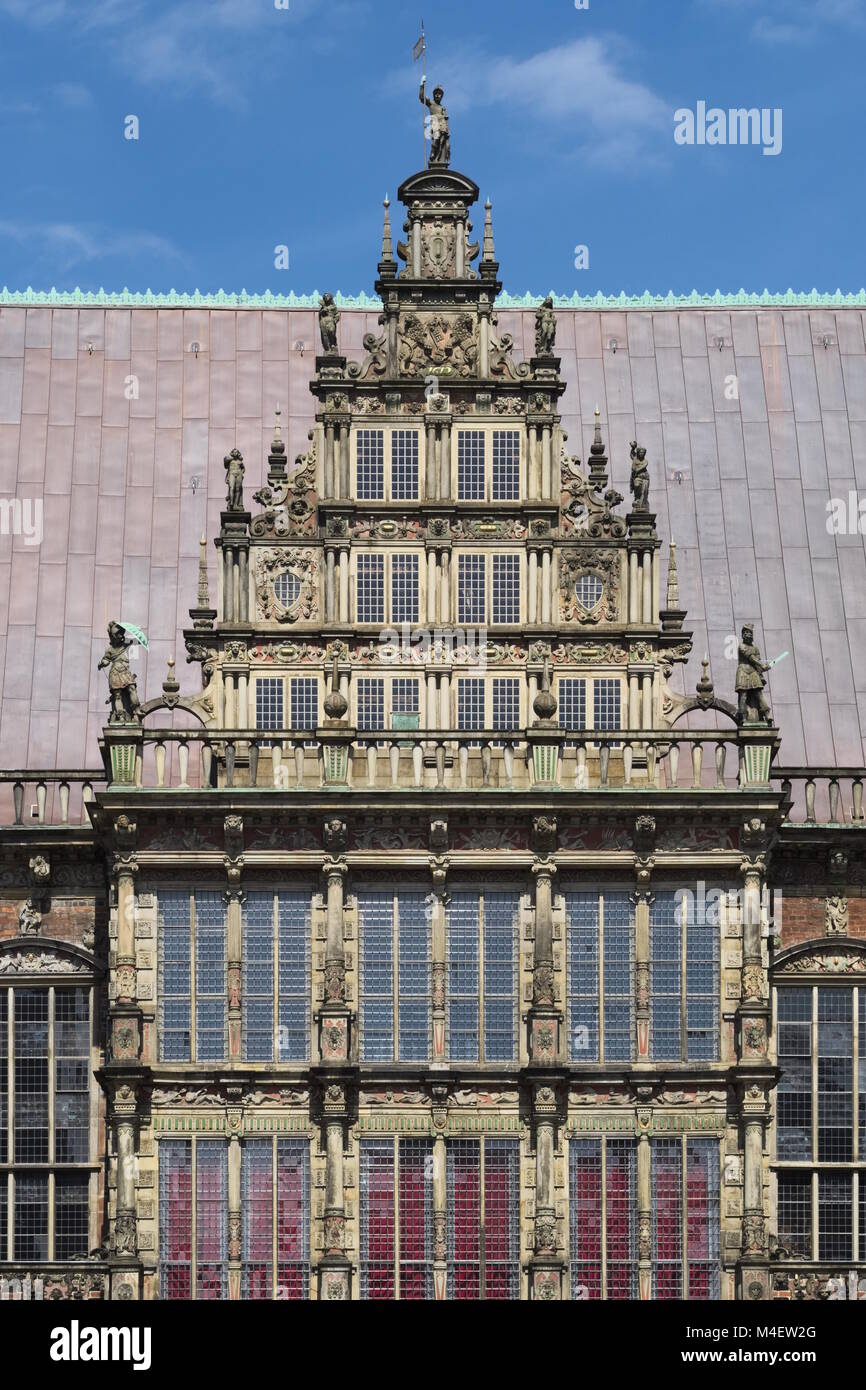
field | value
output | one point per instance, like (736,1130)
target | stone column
(242,702)
(633,610)
(644,1207)
(330,586)
(235,1248)
(416,249)
(460,249)
(243,584)
(546,558)
(334,1041)
(545,462)
(633,702)
(233,829)
(440,1194)
(532,465)
(228,700)
(484,346)
(445,463)
(755,1112)
(532,596)
(431,463)
(445,587)
(547,1265)
(124,1118)
(335,1266)
(228,584)
(647,587)
(329,462)
(437,901)
(343,615)
(645,830)
(345,462)
(432,702)
(647,701)
(432,586)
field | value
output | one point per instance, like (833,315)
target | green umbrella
(135,632)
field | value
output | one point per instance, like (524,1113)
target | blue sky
(263,126)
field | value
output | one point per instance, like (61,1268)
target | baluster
(486,756)
(4,1290)
(41,790)
(810,800)
(786,788)
(857,792)
(230,762)
(64,803)
(463,762)
(86,796)
(254,762)
(394,756)
(604,762)
(508,759)
(834,799)
(16,1290)
(372,752)
(418,764)
(160,763)
(277,764)
(697,763)
(139,765)
(580,778)
(721,755)
(299,764)
(38,1288)
(674,760)
(183,762)
(651,752)
(627,755)
(206,762)
(26,1288)
(18,802)
(440,763)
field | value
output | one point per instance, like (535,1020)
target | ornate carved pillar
(545,1019)
(644,836)
(234,1124)
(125,1014)
(233,829)
(438,906)
(334,1018)
(755,1112)
(335,1266)
(756,1074)
(546,1266)
(125,1271)
(644,1206)
(440,1193)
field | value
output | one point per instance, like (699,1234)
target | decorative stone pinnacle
(278,446)
(544,703)
(673,578)
(387,262)
(203,594)
(170,685)
(704,687)
(488,253)
(335,703)
(597,457)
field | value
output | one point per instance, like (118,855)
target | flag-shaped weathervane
(421,46)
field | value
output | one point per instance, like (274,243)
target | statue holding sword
(750,683)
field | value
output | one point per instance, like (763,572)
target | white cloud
(69,244)
(73,95)
(580,89)
(792,22)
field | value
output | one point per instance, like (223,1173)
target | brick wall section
(803,919)
(66,919)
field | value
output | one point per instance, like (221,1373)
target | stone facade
(431,940)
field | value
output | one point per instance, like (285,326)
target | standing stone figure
(123,692)
(639,477)
(234,466)
(329,317)
(440,139)
(750,683)
(545,328)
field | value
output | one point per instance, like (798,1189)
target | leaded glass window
(395,954)
(603,1181)
(471,592)
(505,589)
(404,465)
(276,976)
(685,1219)
(820,1055)
(506,465)
(482,976)
(275,1206)
(600,955)
(684,978)
(192,976)
(404,588)
(470,465)
(370,457)
(193,1218)
(396,1218)
(483,1218)
(371,587)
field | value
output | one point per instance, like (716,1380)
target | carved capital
(544,832)
(335,835)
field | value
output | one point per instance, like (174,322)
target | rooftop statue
(329,317)
(545,328)
(123,692)
(639,477)
(234,466)
(440,139)
(750,683)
